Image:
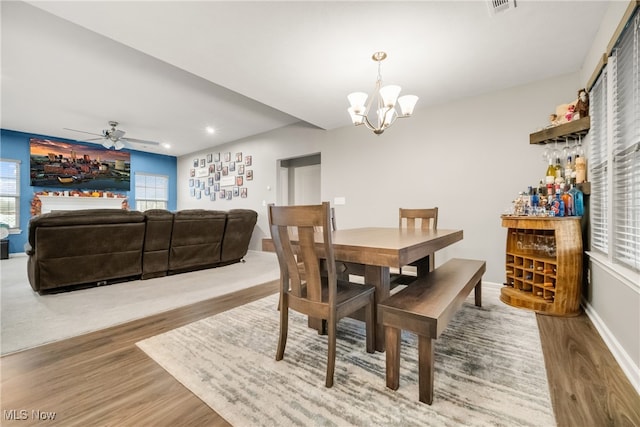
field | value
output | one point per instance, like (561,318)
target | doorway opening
(299,180)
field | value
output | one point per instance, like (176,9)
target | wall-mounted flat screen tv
(78,166)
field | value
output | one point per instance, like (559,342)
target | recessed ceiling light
(166,145)
(210,130)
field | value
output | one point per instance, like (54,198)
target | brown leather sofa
(101,246)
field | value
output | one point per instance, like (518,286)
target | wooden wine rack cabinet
(543,264)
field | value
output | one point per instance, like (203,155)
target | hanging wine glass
(579,149)
(566,150)
(545,153)
(555,154)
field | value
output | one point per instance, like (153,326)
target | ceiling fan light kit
(385,98)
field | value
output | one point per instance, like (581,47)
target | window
(615,152)
(151,191)
(10,192)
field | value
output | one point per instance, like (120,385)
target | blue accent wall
(15,146)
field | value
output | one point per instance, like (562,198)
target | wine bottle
(558,171)
(550,177)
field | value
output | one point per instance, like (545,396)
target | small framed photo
(207,191)
(210,181)
(216,157)
(202,163)
(227,156)
(192,172)
(209,158)
(239,181)
(223,194)
(229,195)
(212,197)
(236,191)
(197,183)
(243,192)
(240,169)
(216,176)
(191,182)
(247,160)
(196,162)
(249,174)
(238,157)
(232,167)
(219,166)
(198,194)
(192,192)
(212,168)
(216,186)
(225,170)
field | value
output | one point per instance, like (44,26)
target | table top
(391,247)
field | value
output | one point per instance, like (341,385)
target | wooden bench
(425,307)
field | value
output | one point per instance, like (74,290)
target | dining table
(372,252)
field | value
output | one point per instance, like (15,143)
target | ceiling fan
(114,137)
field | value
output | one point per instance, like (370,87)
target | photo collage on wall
(220,178)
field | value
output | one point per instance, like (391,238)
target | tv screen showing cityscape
(78,166)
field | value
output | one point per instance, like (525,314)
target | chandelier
(385,113)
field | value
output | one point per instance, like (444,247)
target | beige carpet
(489,371)
(29,320)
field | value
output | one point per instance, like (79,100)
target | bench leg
(392,336)
(425,369)
(478,294)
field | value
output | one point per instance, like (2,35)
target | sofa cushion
(196,239)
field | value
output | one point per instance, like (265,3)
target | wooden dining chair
(320,296)
(425,219)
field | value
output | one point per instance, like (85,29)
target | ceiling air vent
(500,6)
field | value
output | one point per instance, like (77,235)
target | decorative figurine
(582,105)
(570,111)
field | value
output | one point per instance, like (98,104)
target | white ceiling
(167,69)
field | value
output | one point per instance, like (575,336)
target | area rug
(29,319)
(489,371)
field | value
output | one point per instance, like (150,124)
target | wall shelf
(572,130)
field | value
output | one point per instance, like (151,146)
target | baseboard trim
(622,357)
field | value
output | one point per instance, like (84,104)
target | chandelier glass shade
(384,113)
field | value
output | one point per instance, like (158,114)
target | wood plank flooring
(103,379)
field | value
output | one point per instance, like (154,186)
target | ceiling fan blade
(93,139)
(140,141)
(107,144)
(82,131)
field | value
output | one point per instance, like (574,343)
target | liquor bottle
(568,204)
(581,170)
(550,177)
(578,201)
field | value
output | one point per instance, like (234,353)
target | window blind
(597,166)
(626,146)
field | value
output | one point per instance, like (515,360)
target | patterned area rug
(489,370)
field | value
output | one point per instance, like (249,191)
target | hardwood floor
(103,379)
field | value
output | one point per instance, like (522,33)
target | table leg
(379,277)
(393,357)
(424,265)
(425,369)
